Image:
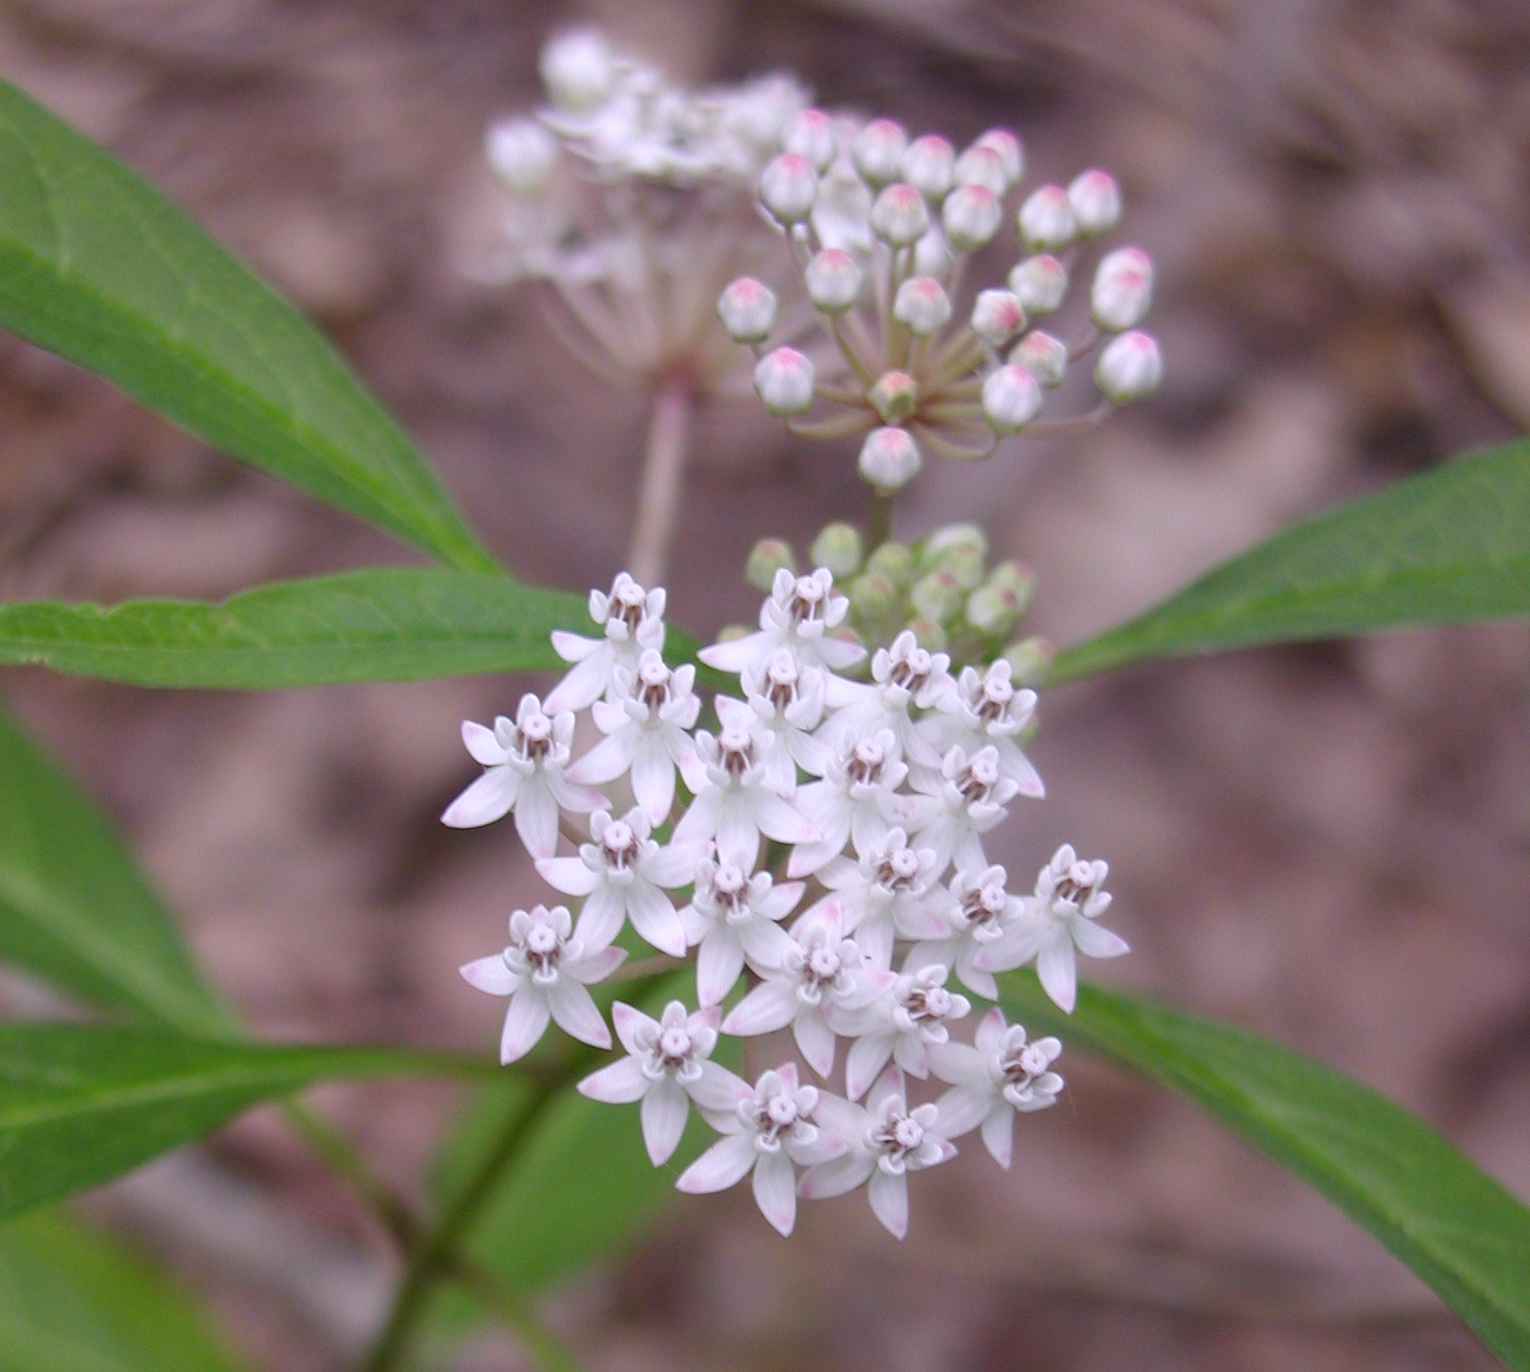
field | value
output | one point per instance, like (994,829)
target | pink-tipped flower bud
(578,68)
(889,458)
(1096,201)
(922,305)
(1011,154)
(878,151)
(811,136)
(784,380)
(1130,367)
(1043,356)
(1123,289)
(833,280)
(894,396)
(521,153)
(899,216)
(997,316)
(971,216)
(747,309)
(1046,220)
(787,187)
(1011,399)
(932,253)
(1041,282)
(982,166)
(929,165)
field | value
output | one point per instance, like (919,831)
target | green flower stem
(879,519)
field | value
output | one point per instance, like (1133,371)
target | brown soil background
(1329,844)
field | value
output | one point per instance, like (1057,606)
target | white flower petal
(583,684)
(816,1041)
(482,745)
(724,1164)
(487,799)
(607,760)
(1055,967)
(888,1195)
(776,819)
(963,1108)
(574,1009)
(675,864)
(653,779)
(770,1006)
(490,974)
(619,1084)
(775,1190)
(998,1133)
(835,1178)
(738,837)
(717,1088)
(536,818)
(602,916)
(571,875)
(654,916)
(525,1023)
(1097,942)
(719,964)
(665,1110)
(595,966)
(628,1021)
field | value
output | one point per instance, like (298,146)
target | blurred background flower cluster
(1330,844)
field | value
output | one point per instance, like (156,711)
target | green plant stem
(435,1257)
(411,1235)
(879,519)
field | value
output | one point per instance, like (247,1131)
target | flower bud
(929,164)
(1010,154)
(997,316)
(1096,201)
(833,280)
(927,634)
(899,215)
(784,380)
(932,254)
(766,558)
(578,68)
(982,166)
(889,457)
(1040,282)
(1046,220)
(1130,367)
(1123,289)
(1011,399)
(1043,356)
(895,561)
(747,309)
(940,542)
(521,153)
(971,216)
(893,397)
(993,610)
(811,136)
(837,547)
(787,187)
(922,305)
(873,597)
(936,596)
(1016,578)
(878,151)
(1030,661)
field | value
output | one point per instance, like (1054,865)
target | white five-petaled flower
(986,710)
(620,875)
(979,912)
(770,1130)
(887,1141)
(904,676)
(735,917)
(961,802)
(545,972)
(524,763)
(666,1067)
(855,800)
(913,1014)
(788,700)
(822,978)
(1059,917)
(633,620)
(884,894)
(646,732)
(798,616)
(735,802)
(992,1080)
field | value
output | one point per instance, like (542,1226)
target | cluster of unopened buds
(824,861)
(882,228)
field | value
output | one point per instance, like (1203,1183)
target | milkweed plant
(769,916)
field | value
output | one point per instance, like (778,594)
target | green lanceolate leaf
(98,266)
(71,1300)
(1456,1227)
(382,624)
(1450,546)
(74,910)
(80,1104)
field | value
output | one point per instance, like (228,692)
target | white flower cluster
(882,227)
(828,843)
(633,200)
